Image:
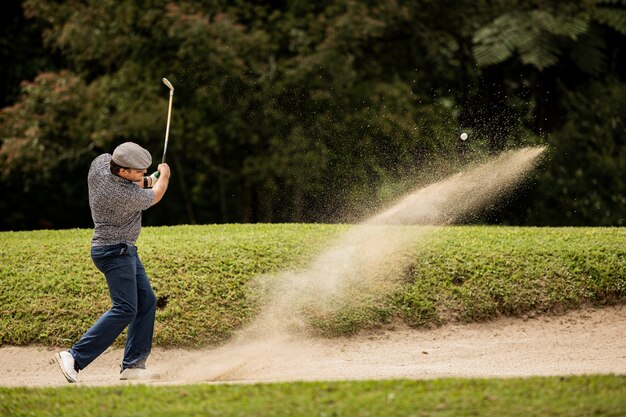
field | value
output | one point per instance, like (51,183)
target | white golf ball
(463,136)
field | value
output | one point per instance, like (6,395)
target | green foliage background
(311,111)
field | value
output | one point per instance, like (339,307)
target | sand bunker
(587,341)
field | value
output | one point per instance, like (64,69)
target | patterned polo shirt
(116,205)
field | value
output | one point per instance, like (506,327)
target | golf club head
(168,84)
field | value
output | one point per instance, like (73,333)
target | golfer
(118,193)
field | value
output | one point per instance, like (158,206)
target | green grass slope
(204,278)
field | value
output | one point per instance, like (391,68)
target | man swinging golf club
(118,193)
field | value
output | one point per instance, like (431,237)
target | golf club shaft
(167,129)
(169,117)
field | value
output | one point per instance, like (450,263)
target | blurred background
(301,111)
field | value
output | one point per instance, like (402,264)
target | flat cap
(131,155)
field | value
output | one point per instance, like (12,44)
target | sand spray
(361,265)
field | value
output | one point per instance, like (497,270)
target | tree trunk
(266,206)
(183,187)
(247,209)
(297,212)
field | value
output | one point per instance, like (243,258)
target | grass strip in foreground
(598,395)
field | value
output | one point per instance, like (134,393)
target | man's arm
(161,185)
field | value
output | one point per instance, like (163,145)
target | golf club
(169,116)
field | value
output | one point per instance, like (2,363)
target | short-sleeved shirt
(116,205)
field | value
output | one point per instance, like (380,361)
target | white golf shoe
(138,374)
(67,364)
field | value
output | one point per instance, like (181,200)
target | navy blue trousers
(134,306)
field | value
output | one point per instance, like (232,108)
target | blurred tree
(21,51)
(566,49)
(294,110)
(583,182)
(561,40)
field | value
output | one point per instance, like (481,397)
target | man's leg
(120,270)
(141,329)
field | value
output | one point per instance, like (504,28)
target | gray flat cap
(131,155)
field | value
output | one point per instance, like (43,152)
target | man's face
(132,174)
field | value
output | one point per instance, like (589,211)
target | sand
(586,341)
